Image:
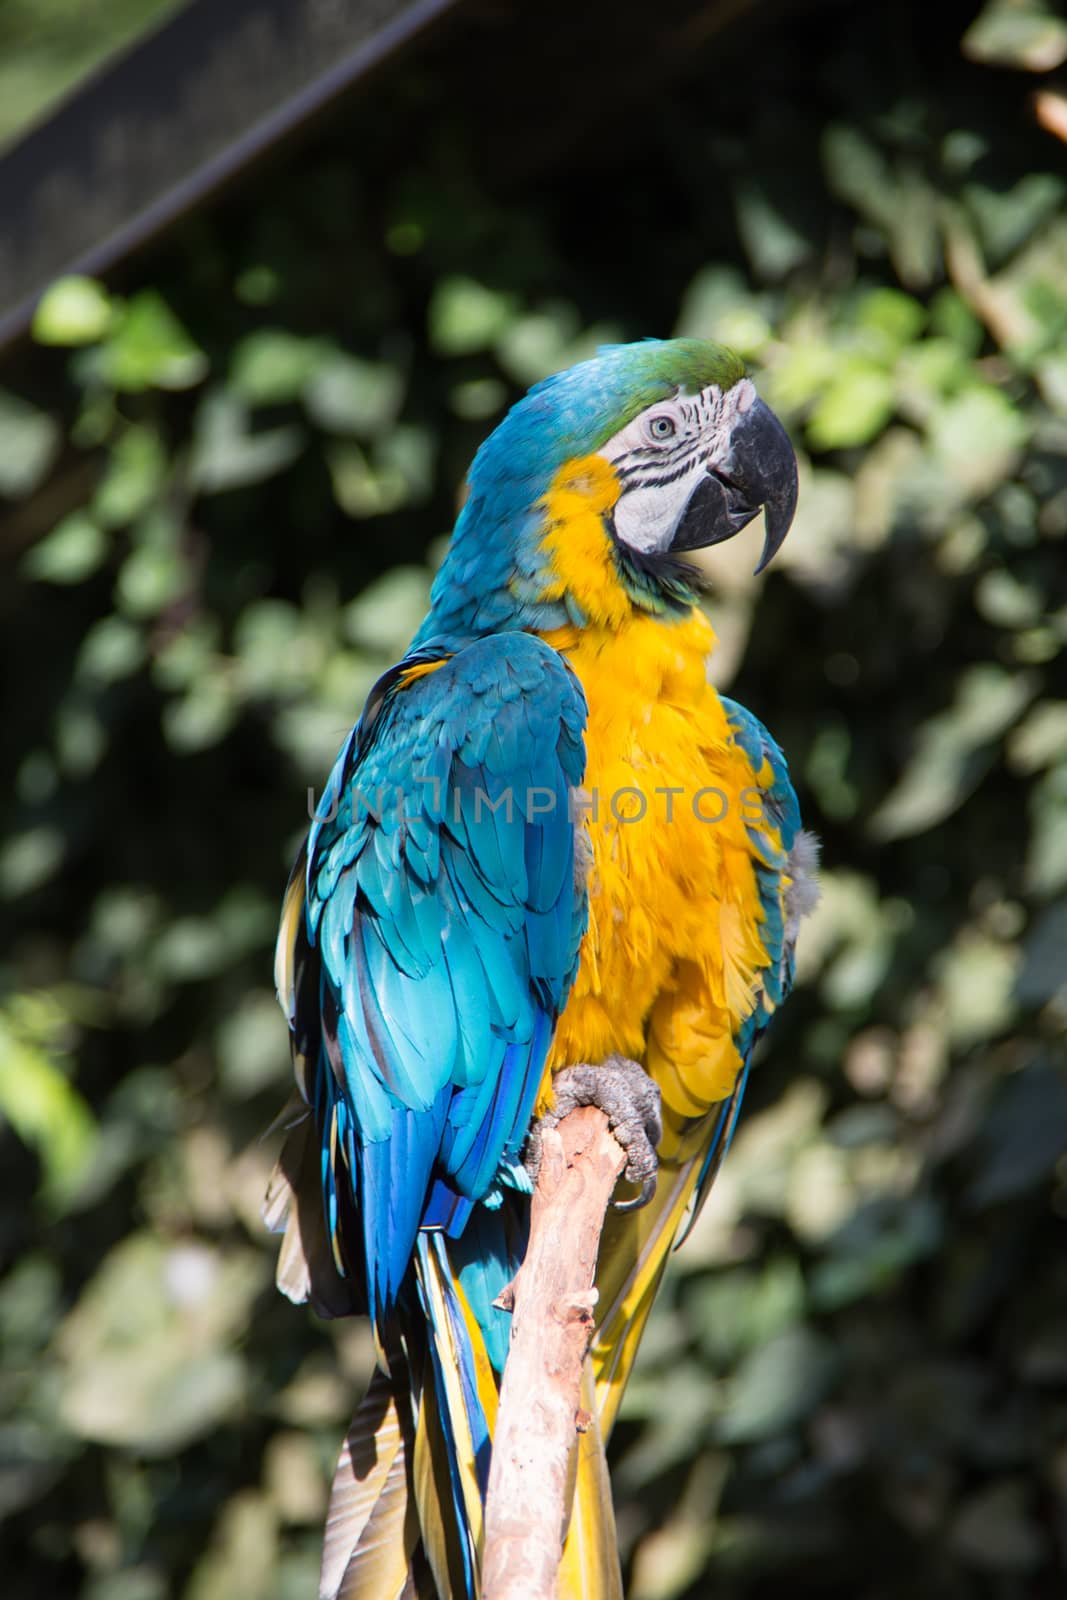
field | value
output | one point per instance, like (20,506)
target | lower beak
(758,472)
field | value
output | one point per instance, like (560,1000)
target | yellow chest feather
(671,962)
(671,959)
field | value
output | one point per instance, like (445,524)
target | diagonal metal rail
(167,124)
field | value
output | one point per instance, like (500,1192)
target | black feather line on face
(658,580)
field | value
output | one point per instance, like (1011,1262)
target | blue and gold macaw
(551,865)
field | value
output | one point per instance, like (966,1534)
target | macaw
(552,865)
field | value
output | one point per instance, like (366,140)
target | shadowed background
(225,479)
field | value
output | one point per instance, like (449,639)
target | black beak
(759,472)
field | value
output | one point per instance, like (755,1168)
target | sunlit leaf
(1018,33)
(45,1109)
(856,406)
(148,348)
(73,311)
(976,977)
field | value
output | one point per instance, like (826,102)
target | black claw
(639,1201)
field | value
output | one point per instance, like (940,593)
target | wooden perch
(552,1298)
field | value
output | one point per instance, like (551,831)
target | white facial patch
(660,455)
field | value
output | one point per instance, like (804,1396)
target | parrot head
(679,453)
(696,466)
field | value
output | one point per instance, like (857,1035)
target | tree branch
(552,1298)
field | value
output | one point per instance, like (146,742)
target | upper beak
(760,470)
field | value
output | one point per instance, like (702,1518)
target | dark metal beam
(163,127)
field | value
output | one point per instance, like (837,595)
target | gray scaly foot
(630,1101)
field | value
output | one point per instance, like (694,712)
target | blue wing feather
(444,915)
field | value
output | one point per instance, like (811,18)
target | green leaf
(396,471)
(29,444)
(1018,33)
(253,1049)
(276,649)
(478,399)
(345,395)
(388,612)
(953,751)
(149,349)
(28,859)
(45,1110)
(535,344)
(154,574)
(1008,218)
(952,318)
(898,201)
(259,285)
(272,366)
(1041,738)
(773,244)
(189,654)
(894,319)
(803,372)
(72,552)
(226,454)
(854,409)
(975,976)
(148,1351)
(113,649)
(242,1558)
(465,316)
(80,738)
(1005,601)
(135,475)
(719,305)
(859,173)
(73,311)
(202,717)
(977,437)
(735,1311)
(927,373)
(777,1385)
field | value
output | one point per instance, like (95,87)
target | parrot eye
(661,427)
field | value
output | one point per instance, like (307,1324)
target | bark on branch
(552,1299)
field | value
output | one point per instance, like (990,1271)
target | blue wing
(430,943)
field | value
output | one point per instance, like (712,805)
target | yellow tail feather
(590,1569)
(634,1251)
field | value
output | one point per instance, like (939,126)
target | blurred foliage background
(226,489)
